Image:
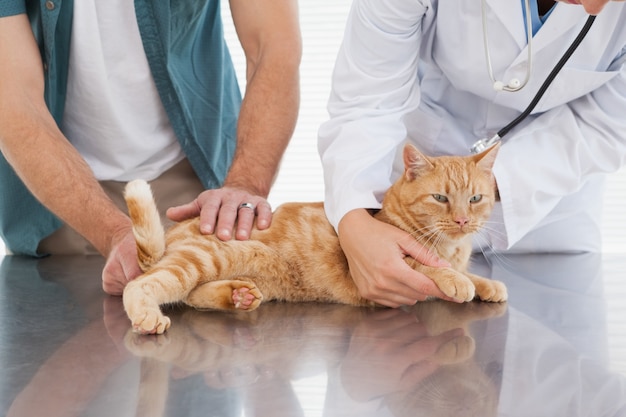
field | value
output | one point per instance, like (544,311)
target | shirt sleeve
(374,85)
(12,7)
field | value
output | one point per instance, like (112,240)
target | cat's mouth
(459,231)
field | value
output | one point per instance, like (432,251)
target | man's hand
(376,252)
(221,210)
(121,265)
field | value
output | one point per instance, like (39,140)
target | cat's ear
(415,163)
(487,158)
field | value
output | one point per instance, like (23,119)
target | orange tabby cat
(441,201)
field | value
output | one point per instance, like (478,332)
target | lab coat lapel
(563,18)
(509,12)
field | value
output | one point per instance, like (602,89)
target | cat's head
(443,197)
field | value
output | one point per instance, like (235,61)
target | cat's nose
(461,221)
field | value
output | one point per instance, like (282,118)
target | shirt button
(50,5)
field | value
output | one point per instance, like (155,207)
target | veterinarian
(419,70)
(94,94)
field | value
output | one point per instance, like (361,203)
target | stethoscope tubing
(483,144)
(555,71)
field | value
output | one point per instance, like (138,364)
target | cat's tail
(147,227)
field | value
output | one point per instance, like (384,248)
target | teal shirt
(194,76)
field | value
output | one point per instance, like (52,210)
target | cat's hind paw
(245,298)
(233,294)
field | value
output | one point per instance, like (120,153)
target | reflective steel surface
(557,348)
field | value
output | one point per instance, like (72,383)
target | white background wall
(300,178)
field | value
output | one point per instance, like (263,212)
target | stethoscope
(516,85)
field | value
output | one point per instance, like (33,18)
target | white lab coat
(416,69)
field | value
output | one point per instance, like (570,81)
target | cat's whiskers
(432,392)
(492,253)
(498,229)
(428,237)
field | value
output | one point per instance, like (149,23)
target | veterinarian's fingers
(420,253)
(420,287)
(389,289)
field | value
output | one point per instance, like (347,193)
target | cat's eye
(476,198)
(440,198)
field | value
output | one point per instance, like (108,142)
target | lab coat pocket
(572,83)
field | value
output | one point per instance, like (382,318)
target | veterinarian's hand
(376,252)
(221,209)
(389,352)
(121,265)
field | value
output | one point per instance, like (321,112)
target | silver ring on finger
(246,205)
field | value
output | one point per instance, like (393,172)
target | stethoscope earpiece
(514,84)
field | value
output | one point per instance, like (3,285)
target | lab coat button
(50,5)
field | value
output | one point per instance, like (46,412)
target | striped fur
(299,257)
(147,226)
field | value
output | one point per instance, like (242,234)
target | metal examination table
(557,348)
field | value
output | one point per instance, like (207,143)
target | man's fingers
(264,215)
(226,221)
(245,220)
(183,212)
(221,209)
(208,217)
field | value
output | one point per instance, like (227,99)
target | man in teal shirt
(234,146)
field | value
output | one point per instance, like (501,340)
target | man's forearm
(41,156)
(266,123)
(59,178)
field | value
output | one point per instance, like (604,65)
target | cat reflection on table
(419,358)
(441,201)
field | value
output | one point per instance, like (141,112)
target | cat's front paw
(490,290)
(150,321)
(454,284)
